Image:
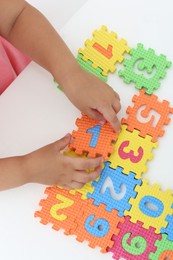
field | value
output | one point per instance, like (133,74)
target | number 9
(100,227)
(136,247)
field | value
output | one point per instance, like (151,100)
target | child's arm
(48,166)
(29,31)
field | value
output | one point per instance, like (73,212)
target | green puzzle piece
(144,60)
(164,245)
(87,65)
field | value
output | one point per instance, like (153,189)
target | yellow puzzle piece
(142,206)
(131,152)
(104,50)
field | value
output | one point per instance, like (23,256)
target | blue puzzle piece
(117,193)
(169,229)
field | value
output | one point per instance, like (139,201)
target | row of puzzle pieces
(101,54)
(101,227)
(115,216)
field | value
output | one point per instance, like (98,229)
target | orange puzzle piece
(97,225)
(93,138)
(142,116)
(60,208)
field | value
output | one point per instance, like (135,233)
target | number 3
(130,155)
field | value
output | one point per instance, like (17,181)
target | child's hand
(93,97)
(49,166)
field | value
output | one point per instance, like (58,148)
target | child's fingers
(82,164)
(83,177)
(94,114)
(117,95)
(76,185)
(110,115)
(65,186)
(116,106)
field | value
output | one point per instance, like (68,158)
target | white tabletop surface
(34,113)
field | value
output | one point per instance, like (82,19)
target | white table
(33,113)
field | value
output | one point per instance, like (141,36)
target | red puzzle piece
(133,241)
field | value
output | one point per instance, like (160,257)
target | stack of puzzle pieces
(120,212)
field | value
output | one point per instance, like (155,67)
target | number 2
(65,204)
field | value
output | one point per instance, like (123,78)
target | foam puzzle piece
(87,65)
(97,225)
(133,241)
(169,228)
(93,138)
(147,60)
(60,208)
(131,152)
(151,206)
(164,249)
(148,115)
(117,197)
(104,50)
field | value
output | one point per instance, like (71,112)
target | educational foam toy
(164,249)
(169,228)
(97,225)
(60,208)
(143,59)
(119,212)
(104,50)
(114,195)
(132,152)
(148,115)
(93,138)
(133,241)
(88,66)
(151,195)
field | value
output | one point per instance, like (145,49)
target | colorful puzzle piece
(60,208)
(104,50)
(164,250)
(116,193)
(87,65)
(148,115)
(143,59)
(131,152)
(169,228)
(97,225)
(93,138)
(151,206)
(133,241)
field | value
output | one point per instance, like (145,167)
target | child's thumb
(63,142)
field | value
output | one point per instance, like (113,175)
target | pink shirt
(12,62)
